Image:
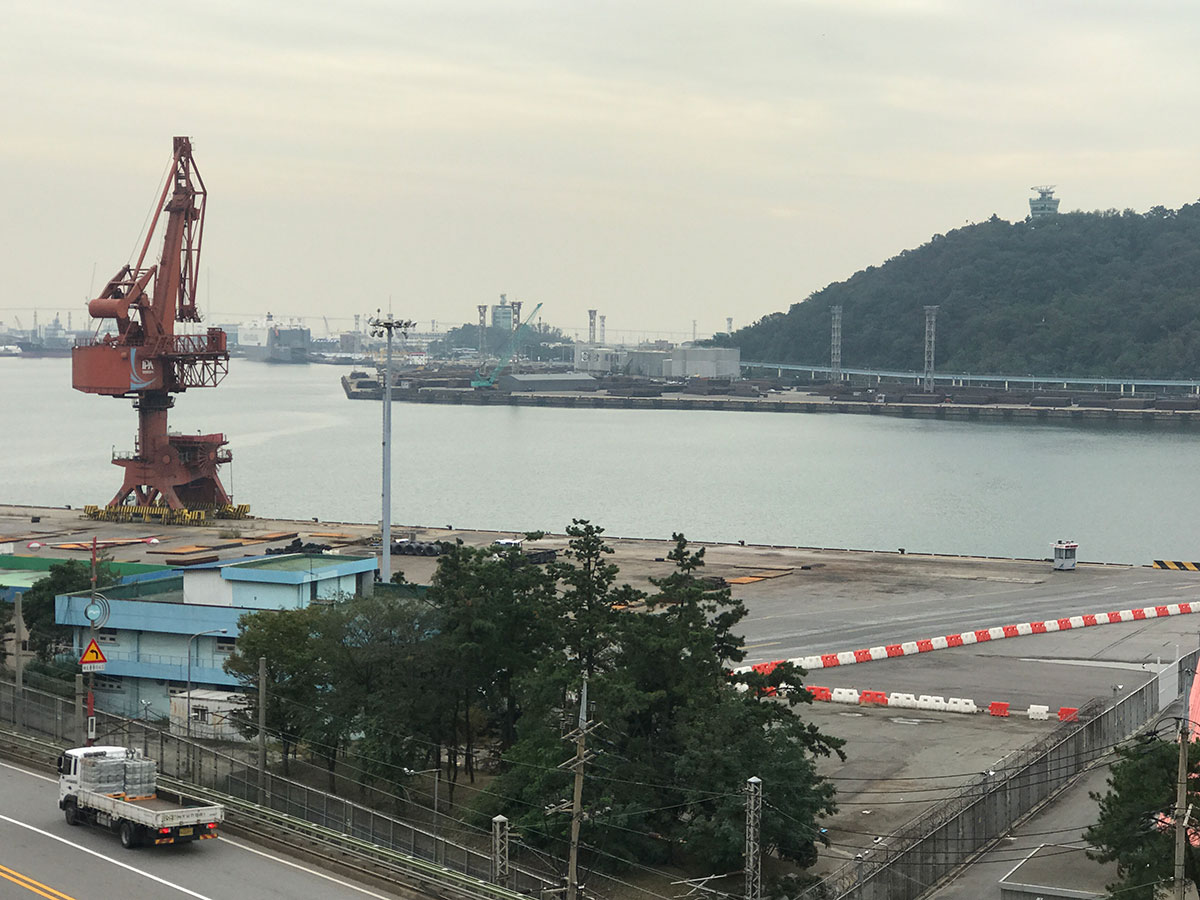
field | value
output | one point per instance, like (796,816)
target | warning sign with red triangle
(92,660)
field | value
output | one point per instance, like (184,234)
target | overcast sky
(661,162)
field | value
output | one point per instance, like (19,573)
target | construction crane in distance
(506,354)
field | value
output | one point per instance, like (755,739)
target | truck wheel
(129,836)
(71,812)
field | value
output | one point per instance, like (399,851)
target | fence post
(80,720)
(262,729)
(18,666)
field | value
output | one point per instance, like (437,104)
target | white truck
(139,818)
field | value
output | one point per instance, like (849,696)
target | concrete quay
(804,601)
(800,402)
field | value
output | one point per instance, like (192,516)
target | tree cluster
(1135,828)
(1091,294)
(490,663)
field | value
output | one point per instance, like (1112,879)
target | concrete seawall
(809,404)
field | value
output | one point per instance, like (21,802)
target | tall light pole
(379,326)
(189,675)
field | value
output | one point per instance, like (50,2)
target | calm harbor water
(302,450)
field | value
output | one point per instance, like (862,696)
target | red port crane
(148,362)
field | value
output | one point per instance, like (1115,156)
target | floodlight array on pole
(379,327)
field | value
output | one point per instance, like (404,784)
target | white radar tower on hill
(1045,204)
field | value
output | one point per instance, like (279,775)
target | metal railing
(265,822)
(914,859)
(273,798)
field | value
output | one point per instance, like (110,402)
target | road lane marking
(30,774)
(25,881)
(224,840)
(761,644)
(295,865)
(32,890)
(109,859)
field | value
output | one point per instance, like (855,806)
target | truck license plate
(185,832)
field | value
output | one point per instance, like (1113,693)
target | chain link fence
(233,770)
(912,860)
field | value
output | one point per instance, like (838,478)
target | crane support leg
(179,471)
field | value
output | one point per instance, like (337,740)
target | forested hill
(1102,294)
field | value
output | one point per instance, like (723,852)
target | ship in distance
(272,340)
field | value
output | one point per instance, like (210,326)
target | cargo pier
(1036,409)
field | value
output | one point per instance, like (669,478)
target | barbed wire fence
(912,860)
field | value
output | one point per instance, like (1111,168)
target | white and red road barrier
(998,709)
(979,636)
(934,703)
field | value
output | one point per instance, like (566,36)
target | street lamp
(380,326)
(437,777)
(189,673)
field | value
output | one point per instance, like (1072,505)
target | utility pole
(18,665)
(379,326)
(262,730)
(1181,807)
(753,841)
(92,630)
(581,757)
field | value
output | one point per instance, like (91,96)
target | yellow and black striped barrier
(165,515)
(1177,566)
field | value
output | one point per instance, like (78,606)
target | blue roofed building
(157,620)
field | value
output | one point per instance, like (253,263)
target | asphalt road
(42,856)
(852,605)
(1060,824)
